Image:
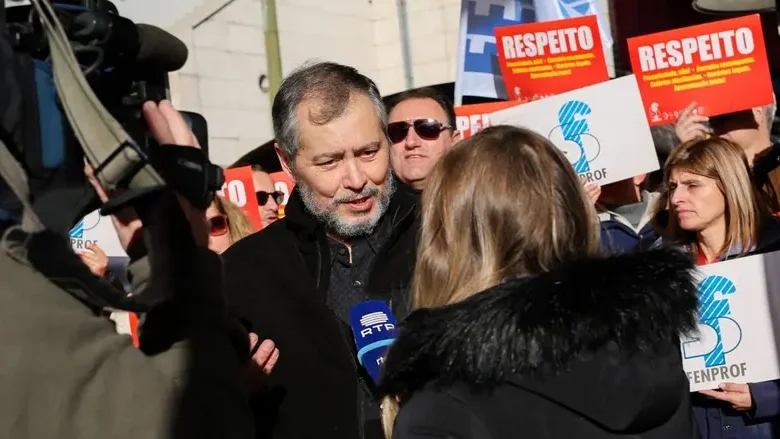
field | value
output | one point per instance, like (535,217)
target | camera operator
(65,373)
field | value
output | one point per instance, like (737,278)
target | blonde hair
(503,203)
(239,225)
(725,162)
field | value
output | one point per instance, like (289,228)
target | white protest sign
(602,129)
(736,341)
(96,229)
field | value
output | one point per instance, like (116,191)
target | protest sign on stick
(721,65)
(551,57)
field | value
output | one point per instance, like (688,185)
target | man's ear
(457,136)
(286,165)
(759,113)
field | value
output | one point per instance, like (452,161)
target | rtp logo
(573,135)
(89,222)
(720,334)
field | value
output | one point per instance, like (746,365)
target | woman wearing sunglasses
(227,224)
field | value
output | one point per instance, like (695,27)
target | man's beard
(329,215)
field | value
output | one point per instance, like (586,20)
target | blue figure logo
(720,334)
(78,230)
(579,146)
(89,222)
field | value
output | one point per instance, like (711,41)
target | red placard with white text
(283,182)
(721,65)
(471,119)
(551,57)
(239,188)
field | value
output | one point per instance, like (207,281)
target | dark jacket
(277,281)
(589,350)
(66,373)
(618,235)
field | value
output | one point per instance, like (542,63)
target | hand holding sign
(691,126)
(95,259)
(702,63)
(738,395)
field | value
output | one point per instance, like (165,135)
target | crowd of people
(529,303)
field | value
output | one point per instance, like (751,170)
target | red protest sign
(551,57)
(471,119)
(283,182)
(240,190)
(721,65)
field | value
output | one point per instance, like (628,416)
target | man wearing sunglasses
(421,128)
(268,198)
(347,237)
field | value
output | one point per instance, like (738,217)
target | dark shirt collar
(373,242)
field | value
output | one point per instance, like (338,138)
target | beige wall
(227,53)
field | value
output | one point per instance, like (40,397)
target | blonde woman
(521,329)
(227,224)
(716,214)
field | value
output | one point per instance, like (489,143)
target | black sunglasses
(427,129)
(262,197)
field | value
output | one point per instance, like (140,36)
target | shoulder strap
(114,154)
(14,175)
(116,157)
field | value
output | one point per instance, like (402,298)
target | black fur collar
(641,301)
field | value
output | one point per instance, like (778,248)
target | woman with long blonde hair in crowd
(227,224)
(521,328)
(715,214)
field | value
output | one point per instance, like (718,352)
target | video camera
(125,65)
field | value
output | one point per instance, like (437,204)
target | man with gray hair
(347,237)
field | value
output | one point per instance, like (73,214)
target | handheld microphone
(374,328)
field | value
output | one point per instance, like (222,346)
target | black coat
(589,350)
(277,282)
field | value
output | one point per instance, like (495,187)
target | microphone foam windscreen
(160,49)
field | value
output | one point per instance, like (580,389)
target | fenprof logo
(720,333)
(374,323)
(88,223)
(719,336)
(573,136)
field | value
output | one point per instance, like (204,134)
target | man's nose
(354,179)
(412,139)
(271,204)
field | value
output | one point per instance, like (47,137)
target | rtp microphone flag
(479,73)
(374,328)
